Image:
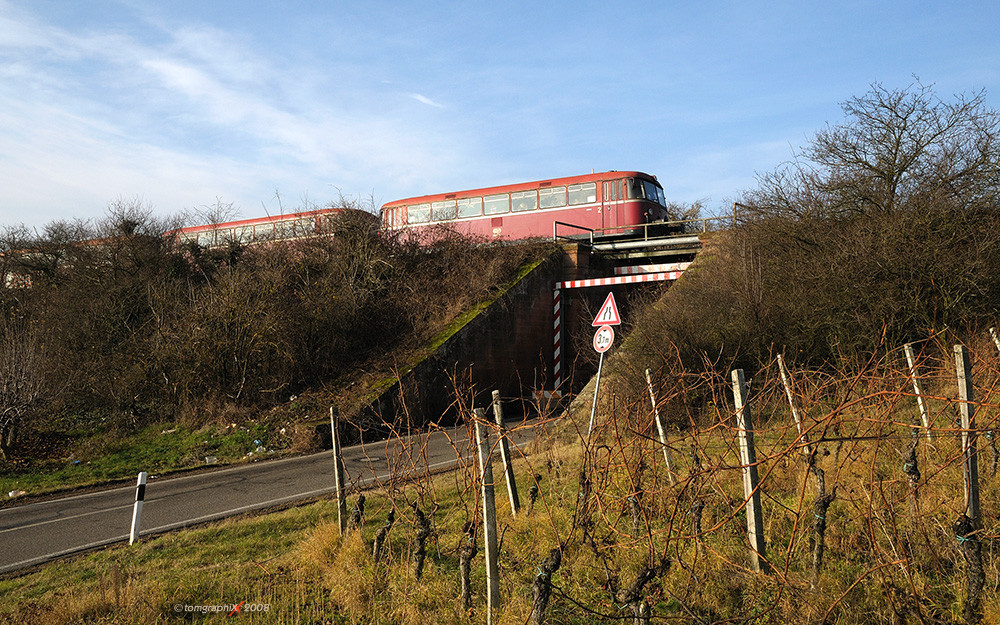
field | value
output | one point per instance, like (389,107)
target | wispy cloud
(196,116)
(425,100)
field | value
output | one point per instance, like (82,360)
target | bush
(135,325)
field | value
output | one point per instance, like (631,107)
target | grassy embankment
(76,452)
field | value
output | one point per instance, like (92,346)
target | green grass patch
(182,576)
(97,457)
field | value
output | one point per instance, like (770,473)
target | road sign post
(606,317)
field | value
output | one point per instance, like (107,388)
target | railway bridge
(533,341)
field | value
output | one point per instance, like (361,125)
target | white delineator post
(970,455)
(661,430)
(489,516)
(140,495)
(751,489)
(508,461)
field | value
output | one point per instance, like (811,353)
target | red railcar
(274,228)
(613,201)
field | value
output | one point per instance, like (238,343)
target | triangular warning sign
(608,315)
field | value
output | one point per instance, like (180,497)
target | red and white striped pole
(556,339)
(626,275)
(140,495)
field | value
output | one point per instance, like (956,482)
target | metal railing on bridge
(659,232)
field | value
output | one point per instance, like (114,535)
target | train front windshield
(639,189)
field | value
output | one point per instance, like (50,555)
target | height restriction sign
(603,339)
(608,314)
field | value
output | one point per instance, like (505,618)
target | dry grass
(888,559)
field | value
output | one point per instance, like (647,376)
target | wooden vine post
(489,516)
(787,383)
(751,481)
(508,461)
(661,430)
(970,456)
(967,527)
(338,474)
(911,362)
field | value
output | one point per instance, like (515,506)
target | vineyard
(858,513)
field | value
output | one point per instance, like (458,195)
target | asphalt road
(34,533)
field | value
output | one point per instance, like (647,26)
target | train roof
(263,220)
(520,186)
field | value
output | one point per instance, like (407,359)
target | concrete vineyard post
(489,516)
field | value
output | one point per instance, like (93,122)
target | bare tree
(897,149)
(21,378)
(888,217)
(213,214)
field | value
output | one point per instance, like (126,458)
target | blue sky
(276,105)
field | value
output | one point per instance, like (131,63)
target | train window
(523,201)
(470,207)
(284,229)
(443,210)
(653,192)
(583,193)
(552,197)
(418,214)
(635,189)
(324,224)
(496,204)
(207,238)
(263,231)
